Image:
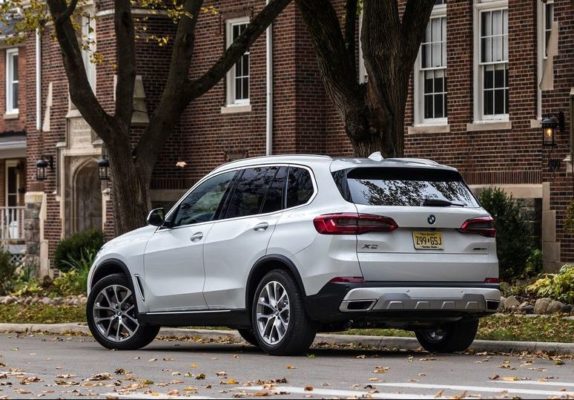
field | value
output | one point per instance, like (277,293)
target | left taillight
(483,226)
(353,224)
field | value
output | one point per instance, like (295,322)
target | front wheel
(112,315)
(450,338)
(279,321)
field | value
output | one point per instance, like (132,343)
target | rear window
(409,187)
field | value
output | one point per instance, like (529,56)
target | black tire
(453,337)
(248,336)
(300,331)
(142,336)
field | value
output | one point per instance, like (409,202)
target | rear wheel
(113,316)
(450,338)
(248,336)
(280,324)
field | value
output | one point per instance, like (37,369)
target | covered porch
(12,191)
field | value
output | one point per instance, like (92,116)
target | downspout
(269,90)
(38,81)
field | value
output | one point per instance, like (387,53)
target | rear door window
(274,199)
(249,193)
(409,187)
(299,187)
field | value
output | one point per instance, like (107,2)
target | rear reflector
(481,226)
(347,279)
(491,280)
(353,224)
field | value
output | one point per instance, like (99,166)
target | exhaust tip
(361,305)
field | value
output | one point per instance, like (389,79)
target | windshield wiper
(441,203)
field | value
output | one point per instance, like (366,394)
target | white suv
(282,247)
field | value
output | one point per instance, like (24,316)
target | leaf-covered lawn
(505,327)
(41,314)
(499,327)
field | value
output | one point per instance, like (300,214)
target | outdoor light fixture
(41,165)
(551,125)
(103,166)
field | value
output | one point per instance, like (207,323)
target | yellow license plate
(427,240)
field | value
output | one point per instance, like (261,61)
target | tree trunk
(131,194)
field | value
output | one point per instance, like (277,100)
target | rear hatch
(425,225)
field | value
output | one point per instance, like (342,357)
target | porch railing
(11,223)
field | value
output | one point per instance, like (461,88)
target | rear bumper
(381,301)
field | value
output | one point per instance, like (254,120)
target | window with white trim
(545,20)
(12,81)
(431,71)
(238,76)
(491,61)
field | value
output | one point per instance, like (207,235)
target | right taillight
(353,224)
(481,226)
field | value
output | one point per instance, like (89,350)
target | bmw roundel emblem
(431,219)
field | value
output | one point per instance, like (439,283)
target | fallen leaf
(152,360)
(380,370)
(200,376)
(173,392)
(104,376)
(308,388)
(438,394)
(290,367)
(120,371)
(230,381)
(28,380)
(494,377)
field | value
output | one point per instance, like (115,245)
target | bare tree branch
(81,92)
(171,104)
(413,27)
(255,28)
(351,30)
(69,10)
(126,56)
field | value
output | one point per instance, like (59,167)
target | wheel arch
(109,267)
(264,265)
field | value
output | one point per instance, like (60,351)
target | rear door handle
(196,237)
(261,227)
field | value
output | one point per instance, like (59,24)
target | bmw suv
(282,247)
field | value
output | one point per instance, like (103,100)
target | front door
(173,259)
(240,237)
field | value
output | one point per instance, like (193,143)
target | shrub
(75,280)
(557,286)
(26,282)
(71,249)
(513,233)
(7,272)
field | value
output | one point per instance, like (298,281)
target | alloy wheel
(114,313)
(272,312)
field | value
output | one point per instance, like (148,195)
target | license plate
(427,240)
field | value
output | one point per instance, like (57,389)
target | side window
(274,200)
(249,192)
(299,187)
(202,203)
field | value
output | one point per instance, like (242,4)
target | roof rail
(424,161)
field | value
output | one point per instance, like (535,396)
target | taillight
(353,224)
(491,280)
(481,226)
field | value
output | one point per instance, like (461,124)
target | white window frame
(439,11)
(478,98)
(231,100)
(10,81)
(541,34)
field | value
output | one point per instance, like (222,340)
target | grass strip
(497,327)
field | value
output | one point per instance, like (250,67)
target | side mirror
(156,217)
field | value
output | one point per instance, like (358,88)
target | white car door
(173,261)
(241,236)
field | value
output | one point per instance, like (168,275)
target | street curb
(351,341)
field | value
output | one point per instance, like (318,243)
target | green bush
(75,280)
(71,249)
(26,282)
(513,234)
(556,286)
(7,272)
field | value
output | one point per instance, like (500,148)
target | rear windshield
(409,187)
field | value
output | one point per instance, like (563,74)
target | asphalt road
(75,367)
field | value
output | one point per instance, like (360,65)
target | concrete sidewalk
(373,342)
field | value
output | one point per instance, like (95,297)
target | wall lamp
(41,165)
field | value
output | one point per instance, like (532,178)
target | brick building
(484,119)
(12,143)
